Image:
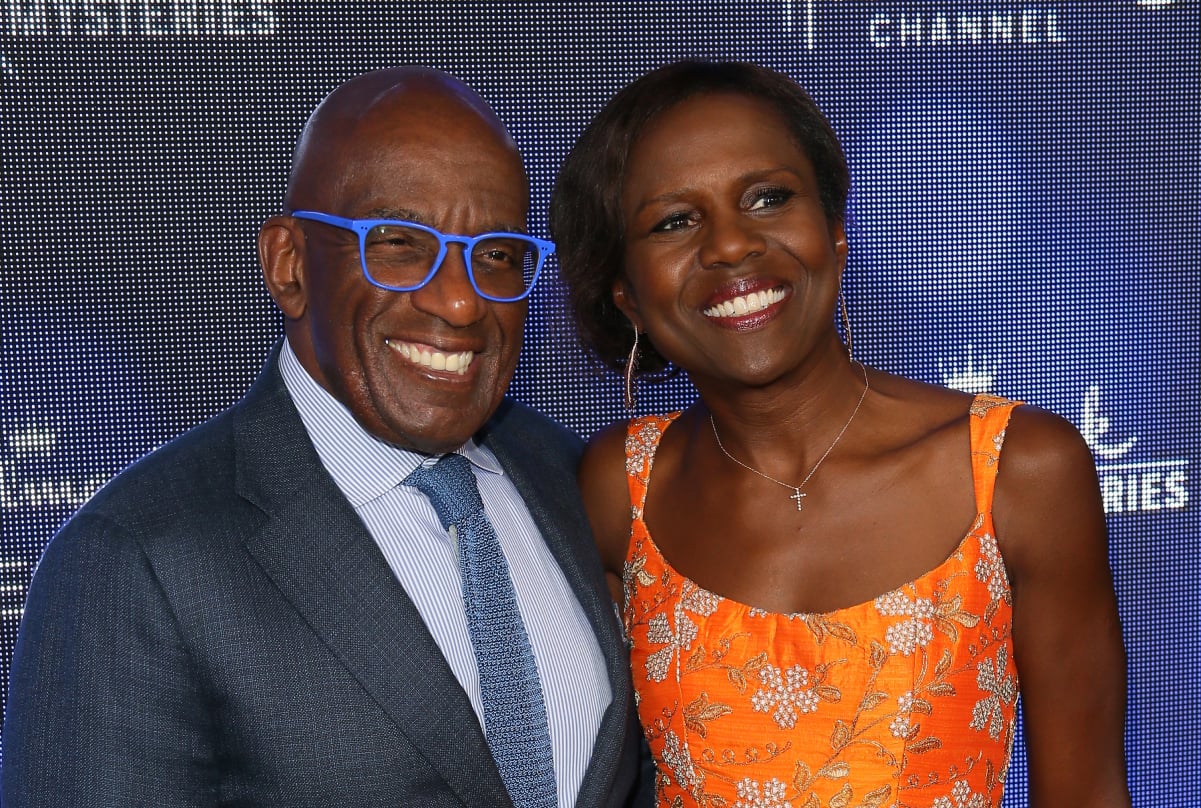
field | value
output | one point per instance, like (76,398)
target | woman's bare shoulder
(1042,448)
(605,490)
(1047,506)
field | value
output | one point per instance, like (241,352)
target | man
(269,610)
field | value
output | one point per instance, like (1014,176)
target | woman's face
(731,266)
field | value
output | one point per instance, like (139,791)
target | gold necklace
(797,495)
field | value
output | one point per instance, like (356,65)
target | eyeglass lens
(401,256)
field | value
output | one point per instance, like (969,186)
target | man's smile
(429,357)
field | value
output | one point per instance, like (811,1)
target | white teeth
(434,360)
(751,303)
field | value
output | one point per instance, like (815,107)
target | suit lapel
(320,556)
(554,503)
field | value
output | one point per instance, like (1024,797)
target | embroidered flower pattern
(698,601)
(640,448)
(900,726)
(784,695)
(864,706)
(1002,690)
(962,796)
(906,636)
(676,757)
(990,570)
(925,614)
(753,794)
(692,600)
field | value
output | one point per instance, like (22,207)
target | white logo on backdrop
(1130,487)
(1094,425)
(24,485)
(972,374)
(896,25)
(1126,487)
(902,25)
(119,18)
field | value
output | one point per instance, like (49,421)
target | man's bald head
(424,368)
(370,112)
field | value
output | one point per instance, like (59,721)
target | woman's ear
(281,245)
(838,235)
(627,304)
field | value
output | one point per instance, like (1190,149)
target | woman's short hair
(585,214)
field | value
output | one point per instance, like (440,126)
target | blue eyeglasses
(404,256)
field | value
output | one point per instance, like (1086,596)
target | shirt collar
(363,466)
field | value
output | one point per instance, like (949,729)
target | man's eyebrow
(406,215)
(403,214)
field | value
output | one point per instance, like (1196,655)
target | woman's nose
(729,239)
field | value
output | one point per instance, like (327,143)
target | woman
(832,595)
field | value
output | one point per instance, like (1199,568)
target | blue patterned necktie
(514,713)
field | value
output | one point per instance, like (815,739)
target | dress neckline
(960,550)
(980,521)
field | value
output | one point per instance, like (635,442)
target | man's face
(424,369)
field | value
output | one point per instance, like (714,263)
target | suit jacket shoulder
(517,425)
(215,626)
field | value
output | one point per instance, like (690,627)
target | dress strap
(642,440)
(989,416)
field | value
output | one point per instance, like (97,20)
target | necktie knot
(450,487)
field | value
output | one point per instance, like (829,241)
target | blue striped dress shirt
(403,524)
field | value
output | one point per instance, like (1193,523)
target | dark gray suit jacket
(216,627)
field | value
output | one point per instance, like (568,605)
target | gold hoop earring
(846,321)
(631,365)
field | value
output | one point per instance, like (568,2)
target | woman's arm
(1050,526)
(606,494)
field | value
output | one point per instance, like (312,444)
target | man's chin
(441,432)
(431,415)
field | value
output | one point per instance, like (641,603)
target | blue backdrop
(1025,220)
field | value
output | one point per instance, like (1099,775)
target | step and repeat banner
(1025,220)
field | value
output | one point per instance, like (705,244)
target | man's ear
(282,258)
(623,298)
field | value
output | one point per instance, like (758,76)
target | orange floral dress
(907,700)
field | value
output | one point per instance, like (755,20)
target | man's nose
(449,295)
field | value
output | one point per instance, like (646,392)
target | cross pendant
(797,496)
